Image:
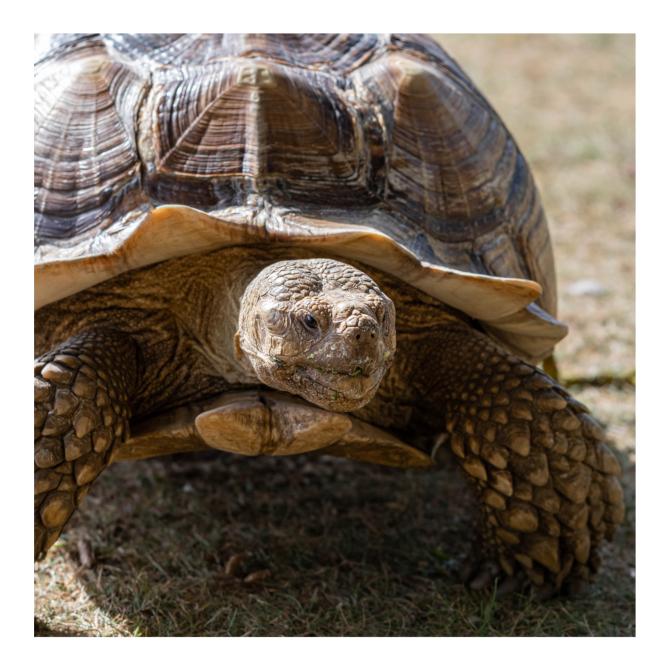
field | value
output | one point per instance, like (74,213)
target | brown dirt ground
(330,547)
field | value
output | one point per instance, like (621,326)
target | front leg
(548,482)
(82,391)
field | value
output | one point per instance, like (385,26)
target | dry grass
(351,550)
(362,550)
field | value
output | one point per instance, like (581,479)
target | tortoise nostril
(358,337)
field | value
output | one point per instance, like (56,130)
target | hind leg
(82,409)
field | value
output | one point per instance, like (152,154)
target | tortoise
(270,244)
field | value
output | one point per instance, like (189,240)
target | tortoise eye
(310,322)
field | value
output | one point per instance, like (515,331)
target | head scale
(317,328)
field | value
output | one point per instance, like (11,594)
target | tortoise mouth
(349,383)
(325,387)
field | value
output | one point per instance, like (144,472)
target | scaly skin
(82,391)
(547,481)
(183,315)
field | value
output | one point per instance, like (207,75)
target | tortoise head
(317,328)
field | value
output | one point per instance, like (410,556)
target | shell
(268,423)
(373,148)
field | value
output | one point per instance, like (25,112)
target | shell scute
(250,126)
(450,160)
(331,52)
(87,167)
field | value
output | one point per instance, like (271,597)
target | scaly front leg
(82,391)
(548,483)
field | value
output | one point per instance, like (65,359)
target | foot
(548,482)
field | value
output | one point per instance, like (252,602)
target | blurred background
(318,546)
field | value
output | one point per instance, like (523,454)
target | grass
(350,549)
(223,545)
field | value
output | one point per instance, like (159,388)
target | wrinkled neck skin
(317,328)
